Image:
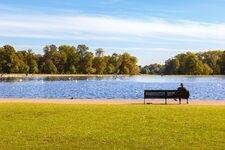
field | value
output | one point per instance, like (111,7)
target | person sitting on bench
(182,90)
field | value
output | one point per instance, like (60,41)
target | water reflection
(63,78)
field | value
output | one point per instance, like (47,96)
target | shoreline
(110,101)
(99,75)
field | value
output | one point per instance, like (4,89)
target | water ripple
(132,87)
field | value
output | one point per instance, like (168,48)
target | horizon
(151,31)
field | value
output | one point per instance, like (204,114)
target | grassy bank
(49,126)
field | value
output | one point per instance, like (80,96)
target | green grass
(59,127)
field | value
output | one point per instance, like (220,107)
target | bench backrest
(165,94)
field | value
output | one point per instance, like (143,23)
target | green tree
(193,66)
(69,59)
(32,61)
(188,64)
(207,70)
(48,67)
(222,63)
(172,66)
(9,60)
(145,70)
(66,59)
(128,65)
(110,69)
(87,63)
(99,52)
(153,69)
(100,62)
(83,54)
(116,61)
(212,59)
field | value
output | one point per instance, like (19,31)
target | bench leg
(166,101)
(179,100)
(144,100)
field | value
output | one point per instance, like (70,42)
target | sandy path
(107,101)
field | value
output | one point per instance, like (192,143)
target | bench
(166,94)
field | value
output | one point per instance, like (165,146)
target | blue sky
(152,30)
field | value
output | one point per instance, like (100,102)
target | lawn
(59,127)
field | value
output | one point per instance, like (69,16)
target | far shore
(93,75)
(110,101)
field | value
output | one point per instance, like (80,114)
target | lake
(109,87)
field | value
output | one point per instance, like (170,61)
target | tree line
(66,59)
(201,63)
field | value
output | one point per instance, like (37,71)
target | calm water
(108,87)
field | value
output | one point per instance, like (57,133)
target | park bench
(166,94)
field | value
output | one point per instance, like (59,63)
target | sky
(151,30)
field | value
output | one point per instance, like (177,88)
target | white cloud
(107,28)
